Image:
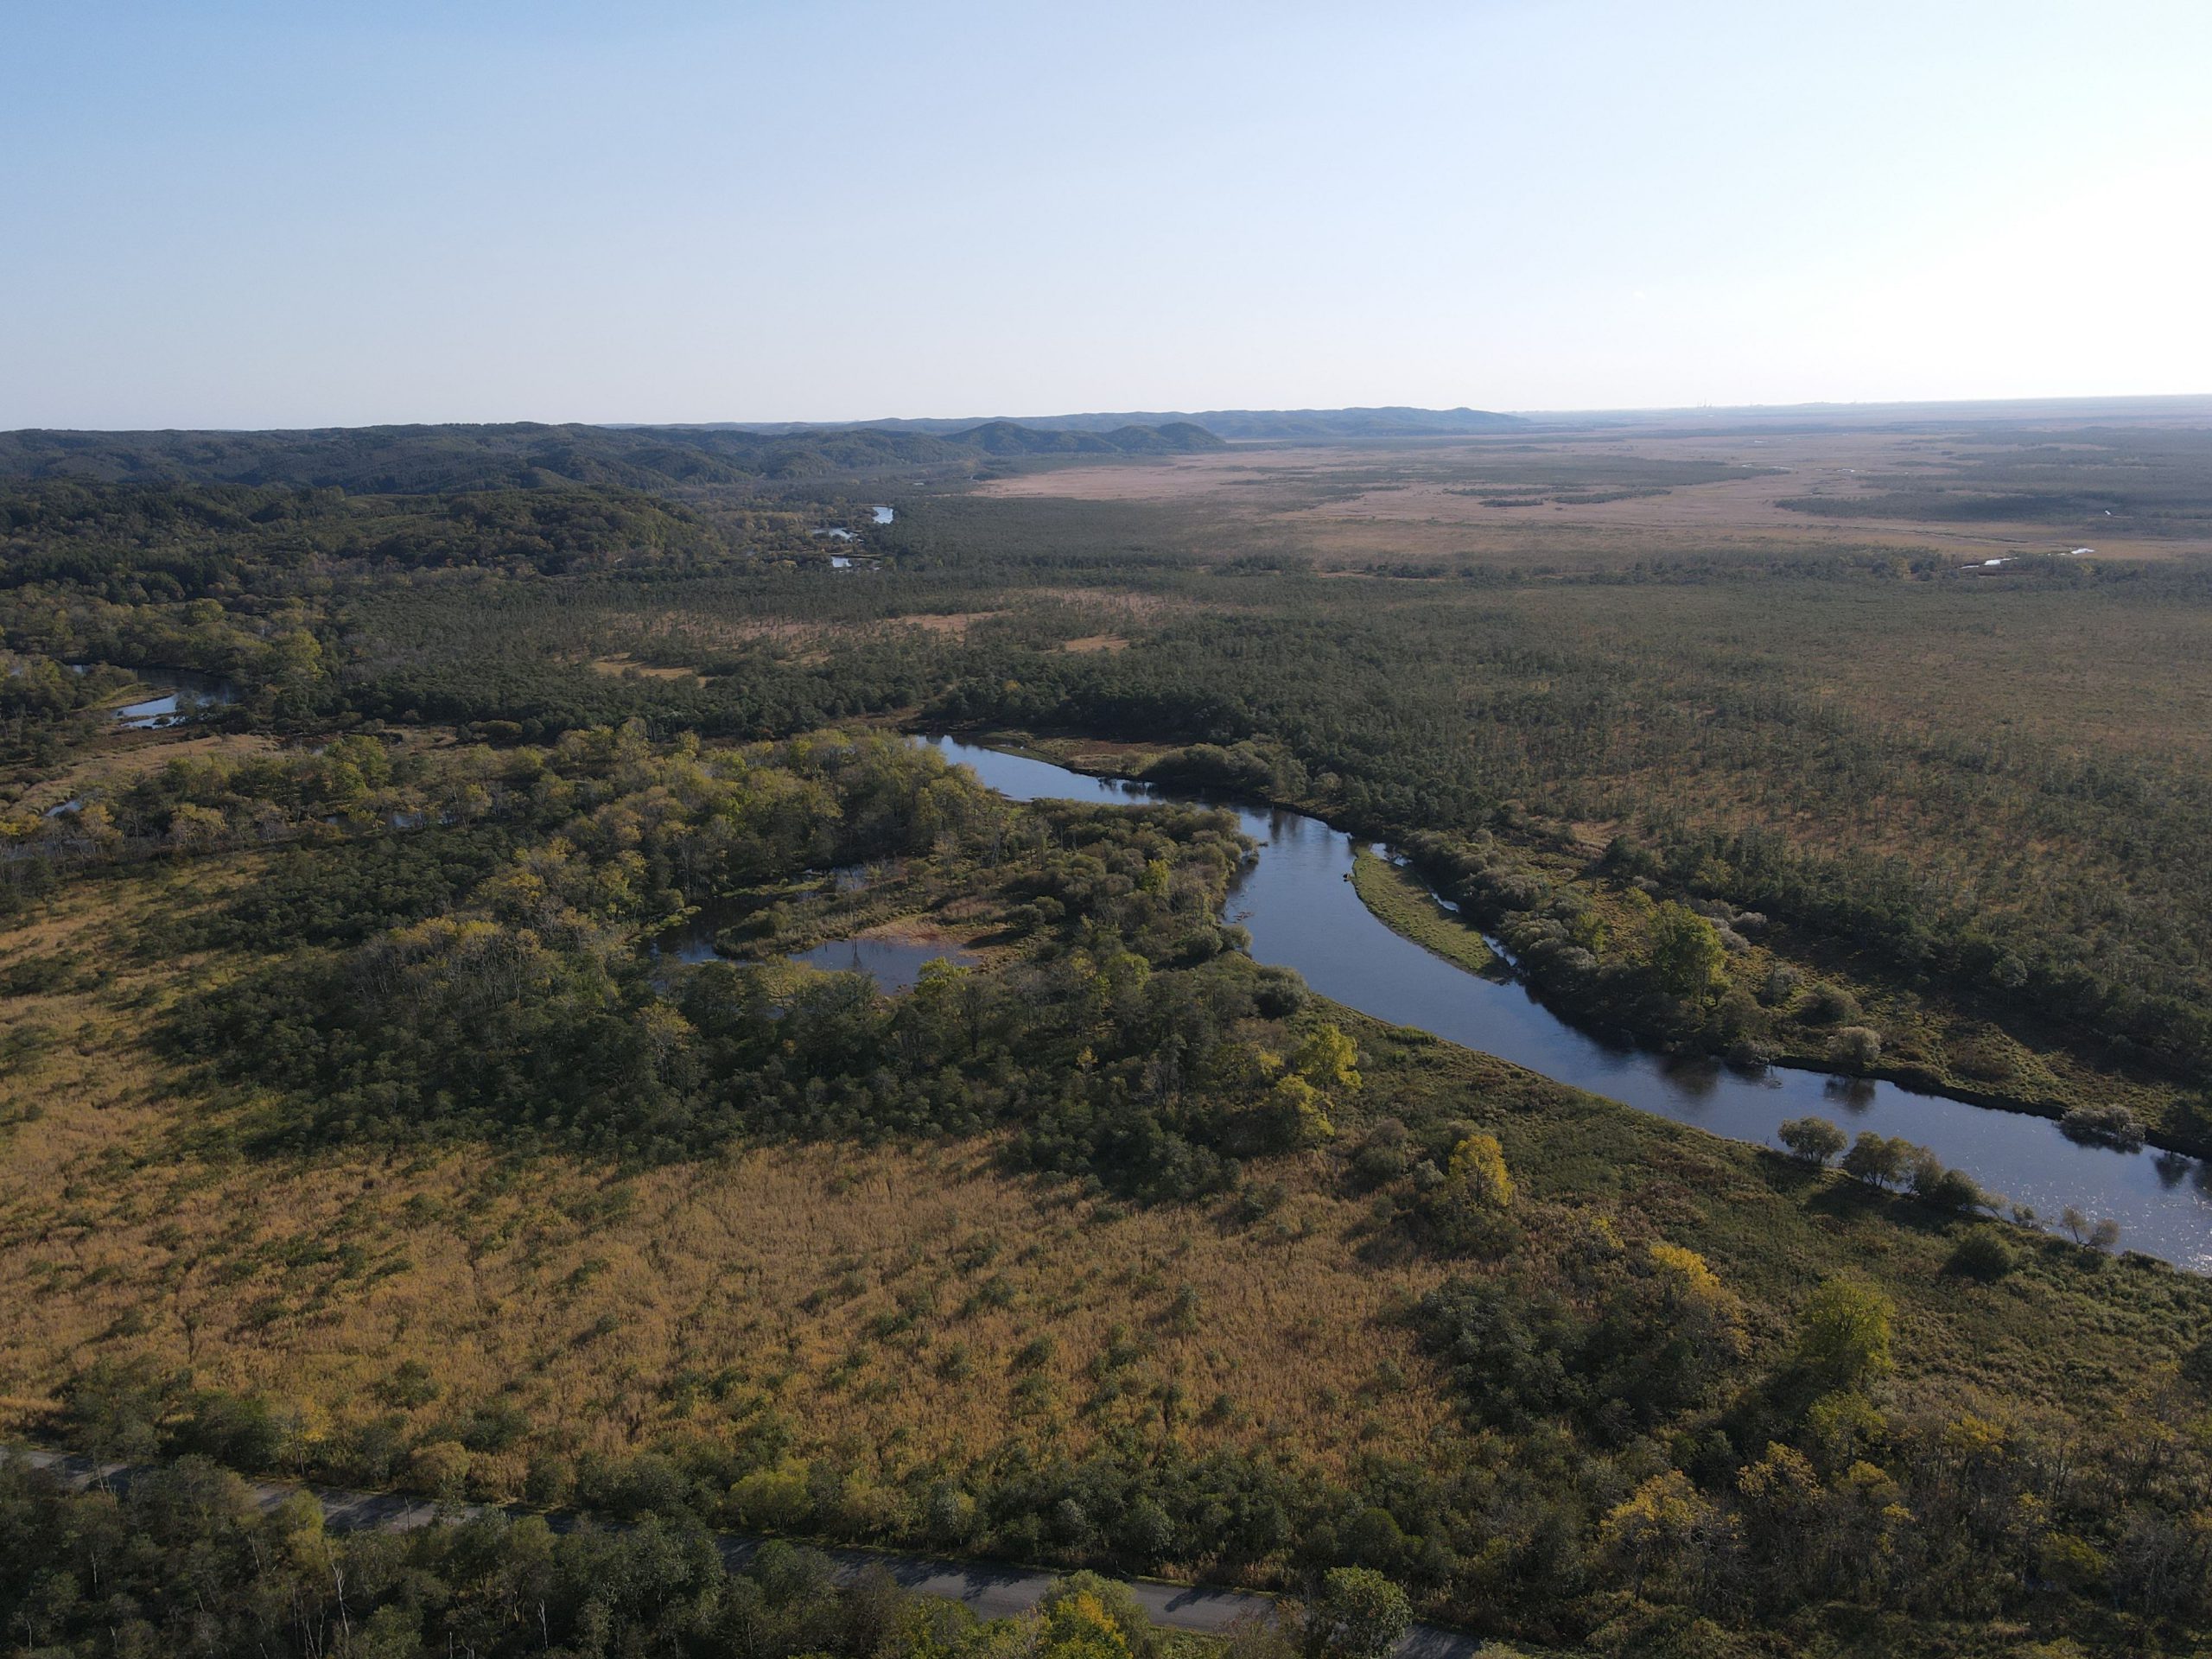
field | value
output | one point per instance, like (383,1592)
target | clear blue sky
(302,214)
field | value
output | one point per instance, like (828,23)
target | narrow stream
(1299,904)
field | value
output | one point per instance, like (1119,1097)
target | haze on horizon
(255,215)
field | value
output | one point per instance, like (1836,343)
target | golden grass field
(120,756)
(1418,505)
(884,1302)
(877,1298)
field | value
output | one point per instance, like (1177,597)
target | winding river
(1302,913)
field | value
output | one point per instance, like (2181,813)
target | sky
(285,214)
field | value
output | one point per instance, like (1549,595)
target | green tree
(1843,1334)
(1078,1627)
(1856,1048)
(1686,953)
(1877,1159)
(1356,1613)
(1813,1139)
(775,1500)
(442,1466)
(1301,1113)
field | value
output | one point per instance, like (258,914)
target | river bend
(1302,913)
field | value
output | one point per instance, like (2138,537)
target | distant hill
(1393,422)
(1386,422)
(1016,438)
(422,460)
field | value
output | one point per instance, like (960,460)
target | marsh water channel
(1298,902)
(180,693)
(892,961)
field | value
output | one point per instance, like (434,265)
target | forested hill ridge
(415,459)
(1395,421)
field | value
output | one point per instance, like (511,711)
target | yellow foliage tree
(1080,1627)
(1697,1294)
(1656,1527)
(1327,1060)
(1478,1173)
(1302,1110)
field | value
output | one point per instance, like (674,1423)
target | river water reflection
(182,692)
(1299,904)
(894,964)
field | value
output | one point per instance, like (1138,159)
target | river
(1299,905)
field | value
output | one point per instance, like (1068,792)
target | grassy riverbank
(1402,902)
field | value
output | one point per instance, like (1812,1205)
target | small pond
(894,964)
(183,692)
(691,941)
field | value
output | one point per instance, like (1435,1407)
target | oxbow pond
(179,694)
(1298,903)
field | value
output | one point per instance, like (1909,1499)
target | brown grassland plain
(882,1297)
(121,757)
(894,1305)
(1497,498)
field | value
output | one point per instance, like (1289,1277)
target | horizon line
(1586,412)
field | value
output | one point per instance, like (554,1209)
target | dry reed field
(1574,500)
(917,1302)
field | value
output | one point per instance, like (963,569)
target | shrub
(1830,1005)
(2197,1363)
(1357,1613)
(774,1500)
(1814,1139)
(1983,1055)
(1278,993)
(1382,1155)
(409,1386)
(1856,1046)
(1983,1255)
(1035,1354)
